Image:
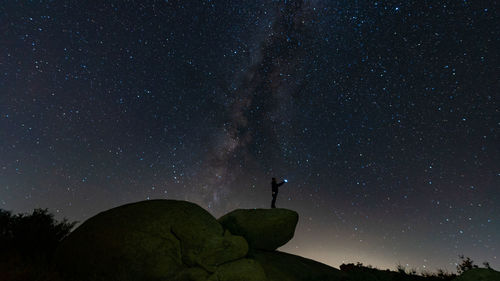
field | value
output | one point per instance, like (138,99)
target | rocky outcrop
(180,241)
(148,240)
(265,229)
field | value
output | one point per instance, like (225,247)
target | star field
(383,115)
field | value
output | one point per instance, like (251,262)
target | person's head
(274,180)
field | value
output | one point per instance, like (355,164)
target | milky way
(383,116)
(258,95)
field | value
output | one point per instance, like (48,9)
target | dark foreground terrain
(177,240)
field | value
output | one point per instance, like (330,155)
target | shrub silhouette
(360,272)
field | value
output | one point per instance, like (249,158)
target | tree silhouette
(27,244)
(34,234)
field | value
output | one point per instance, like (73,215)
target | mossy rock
(148,240)
(265,229)
(479,274)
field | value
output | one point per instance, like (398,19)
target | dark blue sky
(383,115)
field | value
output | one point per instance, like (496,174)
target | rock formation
(178,240)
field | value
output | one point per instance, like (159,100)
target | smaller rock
(279,266)
(265,229)
(240,270)
(192,274)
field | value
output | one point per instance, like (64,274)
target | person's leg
(273,203)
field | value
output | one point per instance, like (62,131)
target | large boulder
(265,229)
(148,240)
(479,274)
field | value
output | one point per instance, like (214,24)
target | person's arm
(281,183)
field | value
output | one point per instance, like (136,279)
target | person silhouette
(274,186)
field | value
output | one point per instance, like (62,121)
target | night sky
(384,116)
